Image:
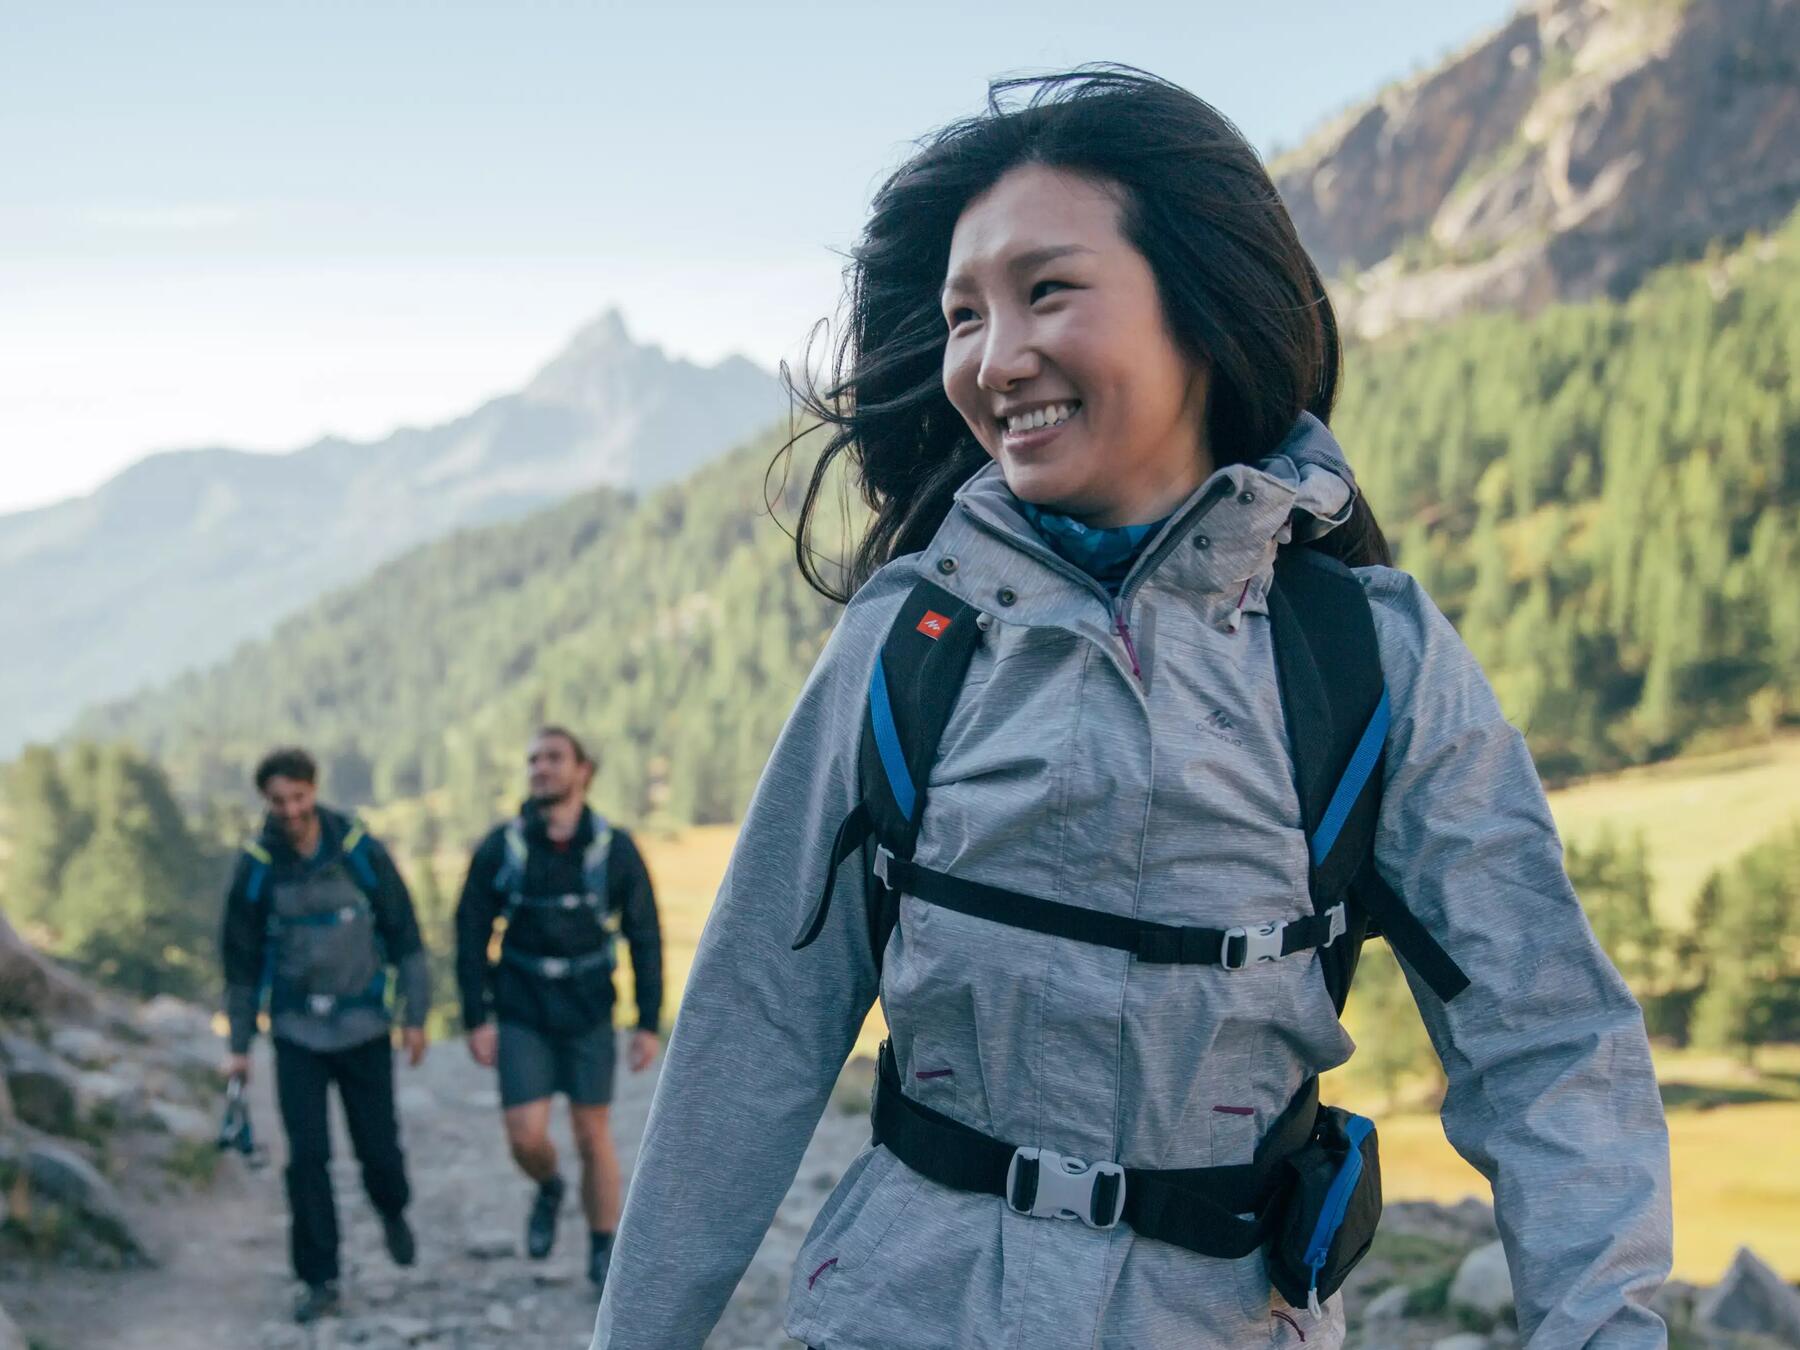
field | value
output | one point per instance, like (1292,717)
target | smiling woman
(1128,762)
(1114,230)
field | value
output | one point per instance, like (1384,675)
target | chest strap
(568,900)
(1201,1209)
(557,967)
(1154,943)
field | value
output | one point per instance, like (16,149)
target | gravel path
(224,1284)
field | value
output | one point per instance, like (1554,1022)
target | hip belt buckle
(1065,1186)
(1252,946)
(320,1005)
(553,967)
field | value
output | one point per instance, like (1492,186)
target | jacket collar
(1220,543)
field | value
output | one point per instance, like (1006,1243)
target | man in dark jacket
(564,882)
(316,914)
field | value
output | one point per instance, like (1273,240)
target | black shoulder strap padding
(924,660)
(922,664)
(1328,663)
(1329,671)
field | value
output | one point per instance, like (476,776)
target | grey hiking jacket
(1169,795)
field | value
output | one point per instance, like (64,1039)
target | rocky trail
(121,1228)
(221,1278)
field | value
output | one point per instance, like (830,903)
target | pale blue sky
(253,223)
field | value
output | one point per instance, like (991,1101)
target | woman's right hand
(235,1066)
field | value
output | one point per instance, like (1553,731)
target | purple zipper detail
(934,1073)
(1130,650)
(1236,1110)
(1292,1323)
(825,1266)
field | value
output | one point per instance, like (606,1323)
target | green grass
(1696,813)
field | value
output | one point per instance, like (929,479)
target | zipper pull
(1124,633)
(1237,615)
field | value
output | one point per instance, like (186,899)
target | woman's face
(1059,357)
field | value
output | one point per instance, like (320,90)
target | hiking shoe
(399,1236)
(599,1262)
(540,1228)
(316,1301)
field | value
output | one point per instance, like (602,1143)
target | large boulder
(58,1176)
(44,1090)
(1751,1299)
(84,1046)
(11,1338)
(35,985)
(1483,1284)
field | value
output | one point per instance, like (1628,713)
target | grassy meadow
(1735,1131)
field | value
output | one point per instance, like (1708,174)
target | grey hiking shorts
(534,1065)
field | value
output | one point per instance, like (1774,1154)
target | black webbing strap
(1153,943)
(852,831)
(557,967)
(1222,1212)
(1407,936)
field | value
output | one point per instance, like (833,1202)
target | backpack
(1311,1197)
(510,878)
(1335,699)
(353,854)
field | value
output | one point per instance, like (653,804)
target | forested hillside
(1605,497)
(672,632)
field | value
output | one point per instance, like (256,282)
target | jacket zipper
(1148,564)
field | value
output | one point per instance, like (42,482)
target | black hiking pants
(364,1075)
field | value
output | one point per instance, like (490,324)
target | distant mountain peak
(606,330)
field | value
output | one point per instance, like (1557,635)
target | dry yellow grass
(1736,1168)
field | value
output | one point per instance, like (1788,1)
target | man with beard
(565,883)
(316,914)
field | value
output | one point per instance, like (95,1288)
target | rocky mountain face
(1563,156)
(181,557)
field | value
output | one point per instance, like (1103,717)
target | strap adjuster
(1251,946)
(883,856)
(1062,1187)
(1339,920)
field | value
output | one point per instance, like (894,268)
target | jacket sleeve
(762,1032)
(399,927)
(1552,1095)
(476,912)
(634,899)
(243,932)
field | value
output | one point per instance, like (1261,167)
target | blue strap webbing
(887,741)
(1356,777)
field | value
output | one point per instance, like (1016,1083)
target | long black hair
(1239,292)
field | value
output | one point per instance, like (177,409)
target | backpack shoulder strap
(514,854)
(1321,622)
(596,856)
(260,862)
(913,687)
(356,858)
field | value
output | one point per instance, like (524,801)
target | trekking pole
(235,1130)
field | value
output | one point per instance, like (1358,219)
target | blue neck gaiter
(1105,554)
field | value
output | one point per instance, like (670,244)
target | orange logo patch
(934,625)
